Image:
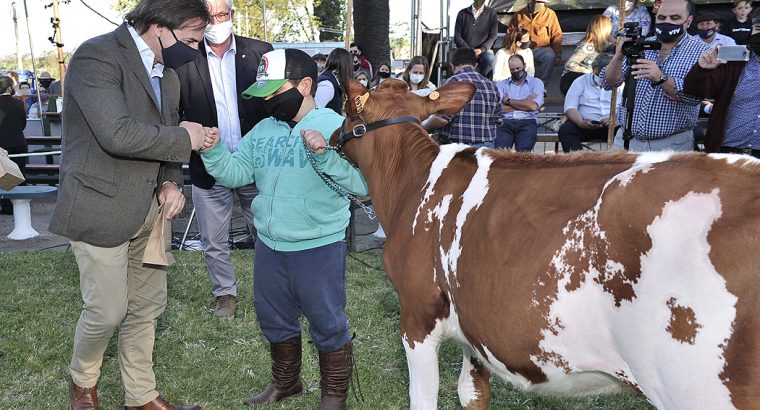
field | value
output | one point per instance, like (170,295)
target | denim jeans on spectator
(485,64)
(520,133)
(485,144)
(543,58)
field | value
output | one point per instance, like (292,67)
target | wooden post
(59,44)
(613,100)
(349,15)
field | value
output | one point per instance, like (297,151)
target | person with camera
(735,118)
(663,115)
(587,107)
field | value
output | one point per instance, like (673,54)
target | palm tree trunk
(371,21)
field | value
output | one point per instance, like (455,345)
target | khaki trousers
(119,291)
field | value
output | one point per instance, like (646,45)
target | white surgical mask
(218,33)
(320,67)
(364,82)
(628,5)
(416,78)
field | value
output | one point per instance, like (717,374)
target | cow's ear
(355,89)
(450,98)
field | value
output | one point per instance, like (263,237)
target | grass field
(217,363)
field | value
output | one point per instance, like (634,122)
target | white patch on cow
(466,386)
(589,332)
(422,360)
(472,198)
(440,163)
(653,157)
(732,159)
(440,211)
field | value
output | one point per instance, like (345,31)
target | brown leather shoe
(160,404)
(225,307)
(81,398)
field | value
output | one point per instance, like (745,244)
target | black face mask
(519,75)
(357,66)
(754,43)
(525,45)
(384,74)
(285,106)
(668,32)
(706,33)
(178,54)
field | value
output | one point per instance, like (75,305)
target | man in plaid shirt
(475,125)
(663,115)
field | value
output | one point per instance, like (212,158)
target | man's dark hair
(171,14)
(464,56)
(314,83)
(358,47)
(517,56)
(26,83)
(6,84)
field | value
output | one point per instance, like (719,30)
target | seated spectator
(521,96)
(587,107)
(740,27)
(36,110)
(633,13)
(545,34)
(331,83)
(382,73)
(362,76)
(516,42)
(24,88)
(735,117)
(321,61)
(476,27)
(708,25)
(596,40)
(417,76)
(356,50)
(475,124)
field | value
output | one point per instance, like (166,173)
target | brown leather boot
(286,373)
(159,403)
(335,368)
(81,398)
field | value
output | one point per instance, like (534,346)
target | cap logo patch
(263,69)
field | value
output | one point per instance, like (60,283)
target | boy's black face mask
(285,106)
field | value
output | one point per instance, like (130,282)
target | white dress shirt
(591,100)
(154,69)
(224,83)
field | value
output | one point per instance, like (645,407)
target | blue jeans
(485,64)
(543,58)
(287,285)
(520,133)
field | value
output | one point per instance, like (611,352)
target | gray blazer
(118,147)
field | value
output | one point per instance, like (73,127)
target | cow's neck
(396,167)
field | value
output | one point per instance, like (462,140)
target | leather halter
(359,130)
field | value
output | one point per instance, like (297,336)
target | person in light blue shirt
(633,13)
(521,97)
(708,25)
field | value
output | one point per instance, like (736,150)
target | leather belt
(746,151)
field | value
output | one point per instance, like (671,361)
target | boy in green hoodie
(300,251)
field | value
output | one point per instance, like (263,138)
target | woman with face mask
(362,76)
(516,42)
(417,76)
(633,12)
(331,83)
(383,73)
(596,40)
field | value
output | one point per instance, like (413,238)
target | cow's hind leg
(474,390)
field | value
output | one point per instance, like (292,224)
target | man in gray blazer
(122,158)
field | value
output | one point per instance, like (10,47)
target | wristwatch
(663,77)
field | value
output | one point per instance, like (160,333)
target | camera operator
(735,119)
(663,115)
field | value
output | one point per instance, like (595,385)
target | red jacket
(718,84)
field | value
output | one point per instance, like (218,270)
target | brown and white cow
(570,274)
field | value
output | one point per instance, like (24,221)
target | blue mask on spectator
(519,75)
(668,32)
(706,33)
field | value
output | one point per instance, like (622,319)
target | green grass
(217,363)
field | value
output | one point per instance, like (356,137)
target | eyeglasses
(222,17)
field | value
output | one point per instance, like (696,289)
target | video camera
(634,48)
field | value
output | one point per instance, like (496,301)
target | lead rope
(332,184)
(355,385)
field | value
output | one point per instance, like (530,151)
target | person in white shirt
(516,42)
(587,107)
(708,25)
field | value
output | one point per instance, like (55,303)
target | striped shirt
(656,116)
(476,123)
(743,119)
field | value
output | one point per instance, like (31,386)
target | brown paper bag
(155,250)
(10,175)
